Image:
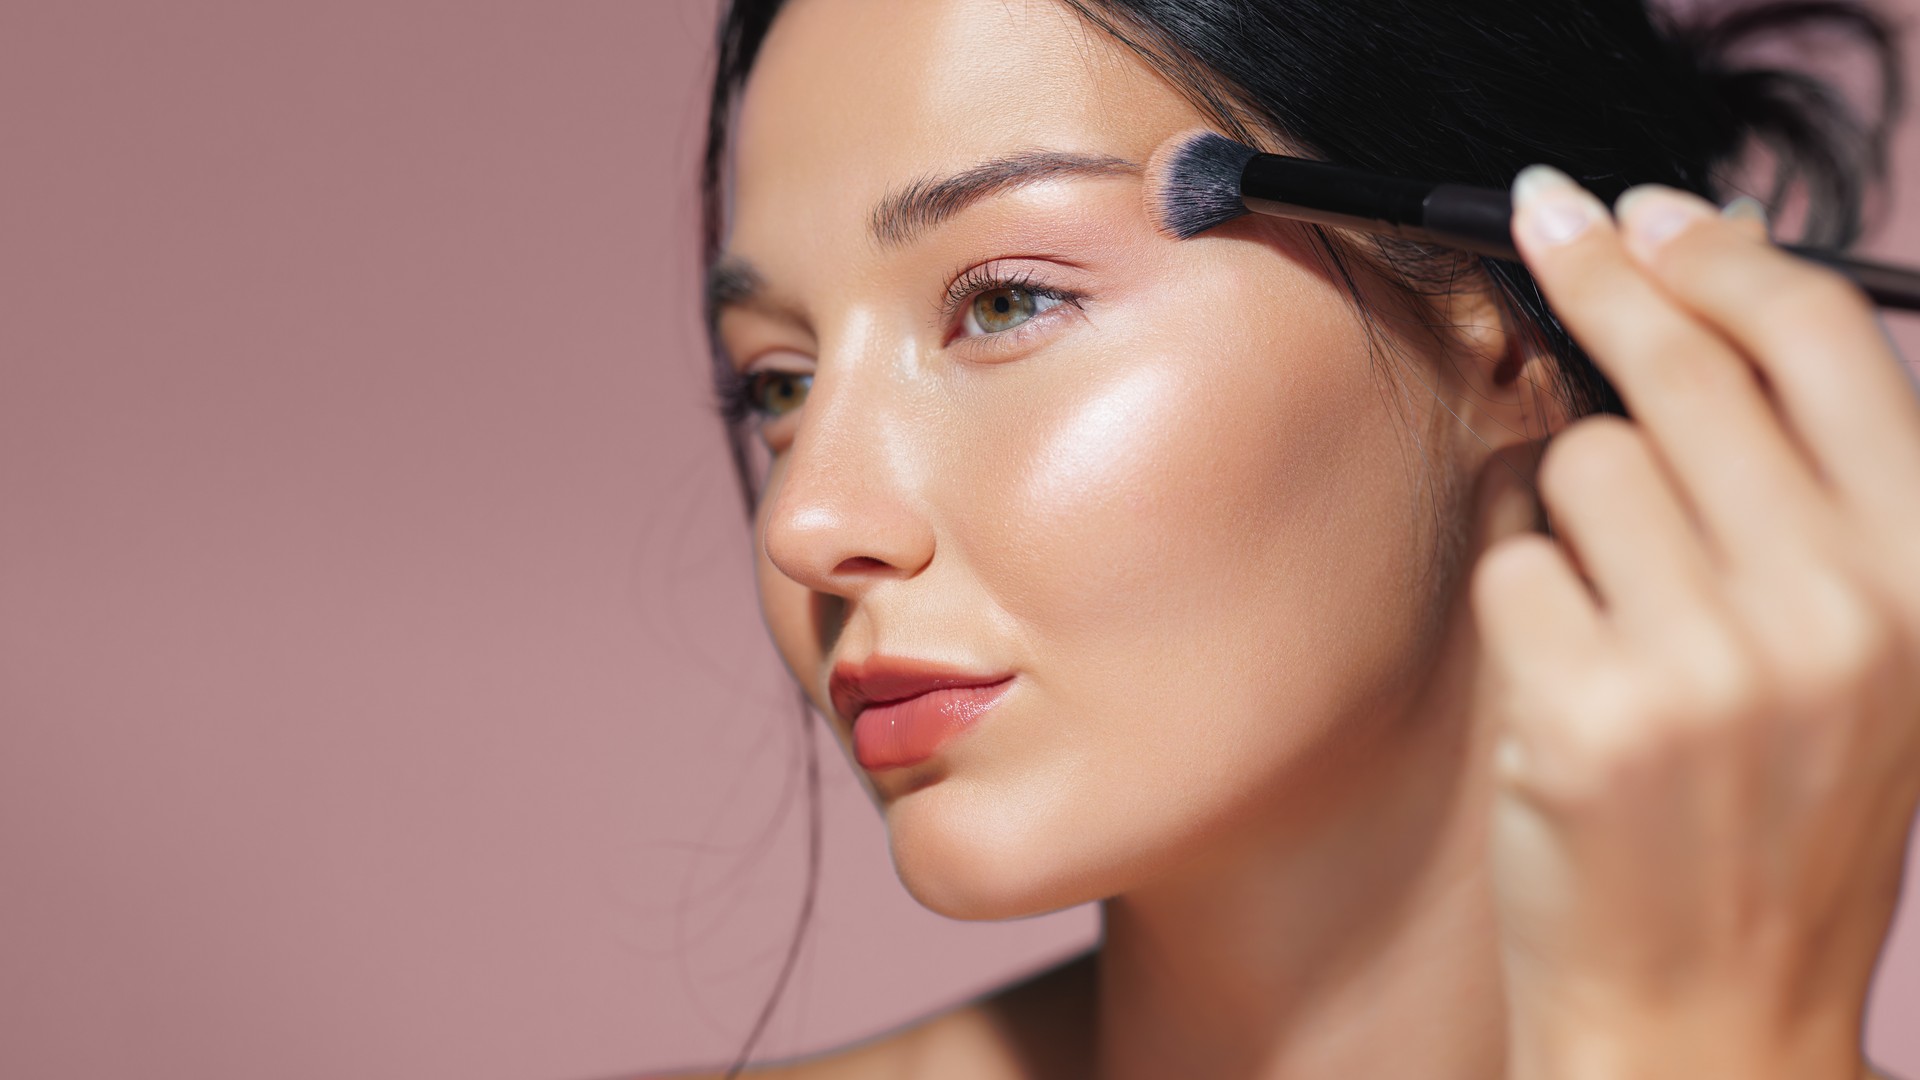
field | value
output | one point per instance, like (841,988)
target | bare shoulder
(1038,1027)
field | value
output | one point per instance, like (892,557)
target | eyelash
(984,278)
(735,389)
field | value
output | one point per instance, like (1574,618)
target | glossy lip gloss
(895,733)
(902,709)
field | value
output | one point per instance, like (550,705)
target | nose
(842,514)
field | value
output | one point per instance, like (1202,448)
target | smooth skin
(1271,600)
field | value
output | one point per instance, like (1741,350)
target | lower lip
(906,732)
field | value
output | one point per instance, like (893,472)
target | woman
(1221,555)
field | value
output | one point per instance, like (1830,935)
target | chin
(979,867)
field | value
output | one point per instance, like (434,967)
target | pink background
(381,688)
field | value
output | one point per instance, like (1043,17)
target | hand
(1708,683)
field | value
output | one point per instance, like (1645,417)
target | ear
(1506,386)
(1505,389)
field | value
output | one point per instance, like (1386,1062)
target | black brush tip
(1193,182)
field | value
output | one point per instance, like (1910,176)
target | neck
(1347,930)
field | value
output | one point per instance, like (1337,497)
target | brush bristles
(1193,182)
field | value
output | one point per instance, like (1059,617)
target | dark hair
(1610,91)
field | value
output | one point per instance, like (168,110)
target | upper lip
(881,680)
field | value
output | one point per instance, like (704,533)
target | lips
(902,710)
(882,680)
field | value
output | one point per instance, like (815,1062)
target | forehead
(849,100)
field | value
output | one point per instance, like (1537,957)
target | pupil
(1002,305)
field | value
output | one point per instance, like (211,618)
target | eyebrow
(900,218)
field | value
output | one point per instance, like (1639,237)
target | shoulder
(1038,1027)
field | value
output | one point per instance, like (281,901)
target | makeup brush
(1201,178)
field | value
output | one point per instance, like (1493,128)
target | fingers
(1721,716)
(1813,334)
(1529,601)
(1617,508)
(1696,397)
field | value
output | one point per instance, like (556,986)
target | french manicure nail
(1550,206)
(1746,206)
(1536,180)
(1653,213)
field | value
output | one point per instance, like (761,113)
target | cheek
(1114,499)
(1212,519)
(1182,472)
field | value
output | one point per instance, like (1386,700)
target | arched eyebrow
(900,218)
(733,282)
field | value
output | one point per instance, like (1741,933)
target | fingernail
(1654,213)
(1550,206)
(1746,206)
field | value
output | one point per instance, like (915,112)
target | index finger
(1696,397)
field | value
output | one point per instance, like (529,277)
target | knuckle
(1841,644)
(1613,743)
(1639,739)
(1719,685)
(1703,679)
(1709,670)
(1616,721)
(1579,736)
(1632,736)
(1619,716)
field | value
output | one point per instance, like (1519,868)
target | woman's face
(1184,508)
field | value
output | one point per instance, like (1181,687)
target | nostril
(858,564)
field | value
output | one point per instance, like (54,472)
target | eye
(1006,307)
(990,303)
(777,393)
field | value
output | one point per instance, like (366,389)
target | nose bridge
(844,510)
(850,378)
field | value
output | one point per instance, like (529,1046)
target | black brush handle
(1471,218)
(1331,194)
(1888,286)
(1475,218)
